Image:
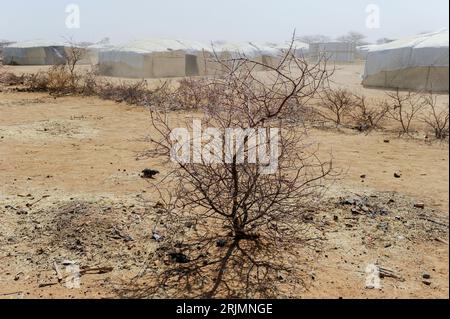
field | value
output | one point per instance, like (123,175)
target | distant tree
(384,40)
(104,41)
(353,37)
(314,38)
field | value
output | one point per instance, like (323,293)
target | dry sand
(88,150)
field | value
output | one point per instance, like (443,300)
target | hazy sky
(203,20)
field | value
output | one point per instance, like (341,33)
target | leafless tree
(403,108)
(436,119)
(353,37)
(74,54)
(336,105)
(318,38)
(227,229)
(367,115)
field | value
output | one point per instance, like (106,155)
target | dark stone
(397,175)
(221,243)
(149,173)
(179,258)
(426,275)
(426,282)
(419,205)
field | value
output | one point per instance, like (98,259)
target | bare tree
(367,115)
(227,229)
(353,37)
(437,120)
(74,54)
(403,108)
(336,105)
(318,38)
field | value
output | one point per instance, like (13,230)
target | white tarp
(418,62)
(333,51)
(176,58)
(153,58)
(36,52)
(429,49)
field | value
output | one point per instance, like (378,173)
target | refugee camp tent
(93,52)
(417,63)
(37,52)
(155,58)
(267,54)
(363,50)
(333,51)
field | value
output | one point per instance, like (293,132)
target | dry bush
(228,229)
(336,105)
(190,93)
(90,84)
(74,54)
(36,82)
(367,115)
(10,79)
(133,93)
(403,108)
(437,120)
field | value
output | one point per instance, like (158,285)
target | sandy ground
(56,152)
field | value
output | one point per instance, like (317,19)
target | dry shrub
(228,229)
(367,115)
(336,105)
(10,79)
(403,108)
(133,93)
(37,82)
(437,120)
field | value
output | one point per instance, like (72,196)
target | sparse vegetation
(367,115)
(403,108)
(437,120)
(336,105)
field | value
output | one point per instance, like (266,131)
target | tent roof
(437,39)
(424,50)
(37,43)
(160,45)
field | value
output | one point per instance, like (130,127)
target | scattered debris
(149,173)
(384,272)
(179,258)
(221,243)
(426,275)
(426,282)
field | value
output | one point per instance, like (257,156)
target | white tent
(37,52)
(93,52)
(363,50)
(417,63)
(333,51)
(155,58)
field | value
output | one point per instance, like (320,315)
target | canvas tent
(333,51)
(155,58)
(363,50)
(36,52)
(93,52)
(416,63)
